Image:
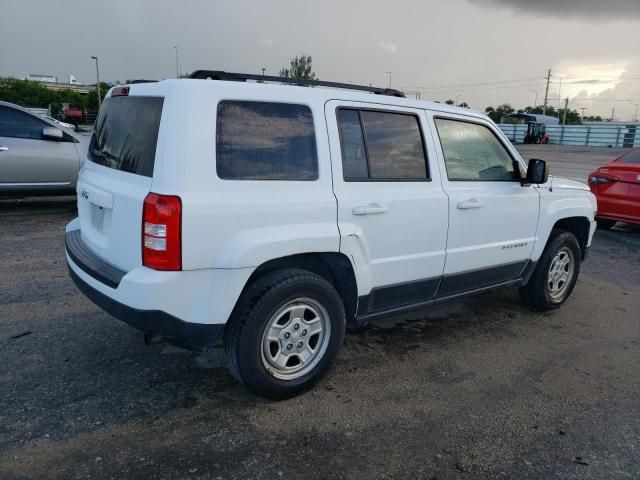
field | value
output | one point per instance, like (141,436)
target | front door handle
(4,149)
(370,209)
(467,204)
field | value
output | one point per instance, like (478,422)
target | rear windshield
(632,157)
(126,134)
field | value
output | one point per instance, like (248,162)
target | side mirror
(52,133)
(537,172)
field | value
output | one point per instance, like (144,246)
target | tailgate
(117,177)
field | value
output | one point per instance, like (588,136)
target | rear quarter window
(265,141)
(126,134)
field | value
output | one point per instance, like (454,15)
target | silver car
(37,156)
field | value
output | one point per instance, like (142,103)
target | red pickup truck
(73,115)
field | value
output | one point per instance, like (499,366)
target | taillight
(161,232)
(595,180)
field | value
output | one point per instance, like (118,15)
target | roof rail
(243,77)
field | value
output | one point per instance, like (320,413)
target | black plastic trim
(465,281)
(90,263)
(391,296)
(194,336)
(404,297)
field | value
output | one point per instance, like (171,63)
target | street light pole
(636,104)
(98,82)
(389,73)
(583,109)
(177,71)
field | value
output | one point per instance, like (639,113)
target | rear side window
(379,146)
(18,124)
(632,157)
(126,134)
(265,141)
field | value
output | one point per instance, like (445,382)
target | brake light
(161,232)
(120,92)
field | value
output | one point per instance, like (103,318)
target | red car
(616,185)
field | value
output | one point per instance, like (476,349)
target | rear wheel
(555,275)
(605,224)
(285,333)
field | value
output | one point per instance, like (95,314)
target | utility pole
(566,106)
(546,93)
(389,73)
(98,82)
(636,116)
(613,113)
(177,70)
(536,100)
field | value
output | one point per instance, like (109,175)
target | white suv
(272,217)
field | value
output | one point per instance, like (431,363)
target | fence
(41,111)
(585,135)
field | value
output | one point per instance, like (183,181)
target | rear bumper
(195,336)
(148,300)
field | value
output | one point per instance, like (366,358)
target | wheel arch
(579,226)
(334,267)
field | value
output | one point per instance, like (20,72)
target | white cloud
(388,46)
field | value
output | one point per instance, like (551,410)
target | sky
(483,52)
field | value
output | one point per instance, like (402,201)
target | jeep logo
(85,194)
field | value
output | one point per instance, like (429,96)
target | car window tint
(472,152)
(354,159)
(265,141)
(17,124)
(126,134)
(394,146)
(631,157)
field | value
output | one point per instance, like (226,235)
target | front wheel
(555,275)
(285,333)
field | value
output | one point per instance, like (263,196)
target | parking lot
(481,388)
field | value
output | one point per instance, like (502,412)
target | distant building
(73,80)
(42,78)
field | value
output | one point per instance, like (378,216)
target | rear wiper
(102,153)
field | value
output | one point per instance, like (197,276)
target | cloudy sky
(484,52)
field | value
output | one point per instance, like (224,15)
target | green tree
(300,67)
(500,111)
(34,94)
(449,102)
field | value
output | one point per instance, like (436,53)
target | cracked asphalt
(481,388)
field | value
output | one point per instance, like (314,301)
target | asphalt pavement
(480,388)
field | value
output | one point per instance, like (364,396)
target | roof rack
(243,77)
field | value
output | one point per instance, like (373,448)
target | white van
(270,217)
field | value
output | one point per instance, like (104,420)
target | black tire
(605,224)
(251,317)
(535,293)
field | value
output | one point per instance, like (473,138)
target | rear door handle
(4,149)
(370,209)
(467,204)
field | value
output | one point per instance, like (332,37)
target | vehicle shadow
(11,206)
